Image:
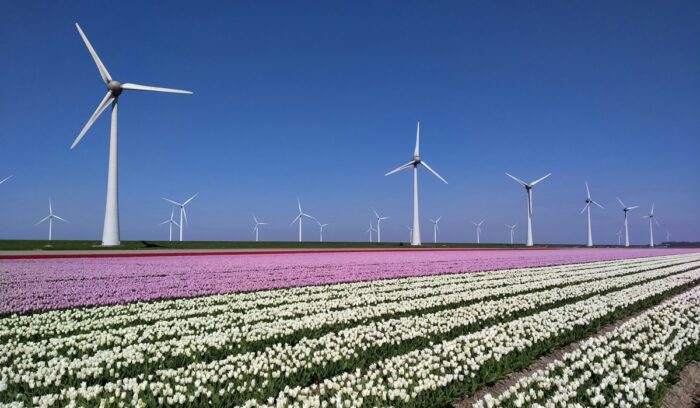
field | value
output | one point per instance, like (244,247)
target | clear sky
(319,99)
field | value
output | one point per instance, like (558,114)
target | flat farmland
(401,328)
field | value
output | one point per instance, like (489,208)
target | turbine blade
(398,169)
(5,179)
(433,171)
(164,222)
(375,213)
(295,220)
(50,209)
(100,66)
(184,213)
(540,179)
(299,204)
(43,219)
(176,224)
(596,203)
(588,191)
(522,183)
(100,108)
(416,152)
(255,219)
(171,201)
(620,201)
(584,208)
(652,208)
(137,87)
(190,199)
(57,217)
(438,220)
(633,207)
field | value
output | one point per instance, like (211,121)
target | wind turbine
(379,224)
(651,225)
(171,221)
(410,233)
(435,227)
(50,218)
(110,233)
(589,201)
(619,237)
(183,213)
(256,229)
(370,230)
(5,179)
(321,226)
(626,209)
(512,230)
(668,236)
(415,239)
(300,218)
(528,189)
(478,230)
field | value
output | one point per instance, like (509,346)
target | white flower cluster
(622,368)
(118,355)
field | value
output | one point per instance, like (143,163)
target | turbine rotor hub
(115,87)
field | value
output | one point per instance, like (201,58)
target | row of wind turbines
(111,232)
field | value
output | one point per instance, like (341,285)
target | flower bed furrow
(437,375)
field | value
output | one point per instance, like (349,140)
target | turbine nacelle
(115,87)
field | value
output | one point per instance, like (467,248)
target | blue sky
(320,99)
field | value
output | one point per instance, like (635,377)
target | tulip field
(362,329)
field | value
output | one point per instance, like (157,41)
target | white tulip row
(623,368)
(405,375)
(52,362)
(81,320)
(404,378)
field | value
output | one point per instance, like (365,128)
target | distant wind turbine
(619,238)
(170,223)
(512,230)
(321,227)
(626,209)
(435,227)
(589,201)
(668,236)
(410,233)
(49,218)
(183,213)
(370,230)
(110,233)
(300,218)
(379,224)
(528,189)
(478,230)
(651,225)
(256,229)
(415,239)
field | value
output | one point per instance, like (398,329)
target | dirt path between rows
(539,364)
(686,392)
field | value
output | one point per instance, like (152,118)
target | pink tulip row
(46,284)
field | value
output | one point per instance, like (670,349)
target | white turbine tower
(651,225)
(410,233)
(668,236)
(170,223)
(321,227)
(300,218)
(589,201)
(379,224)
(478,230)
(370,230)
(256,229)
(435,228)
(183,213)
(626,209)
(5,179)
(512,231)
(110,233)
(415,240)
(528,189)
(619,238)
(50,218)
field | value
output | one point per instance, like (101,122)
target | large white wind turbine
(435,227)
(183,213)
(379,224)
(300,218)
(256,229)
(370,230)
(321,227)
(170,223)
(512,231)
(626,209)
(478,230)
(50,218)
(110,233)
(528,189)
(651,225)
(415,240)
(589,201)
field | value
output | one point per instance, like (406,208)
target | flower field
(428,337)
